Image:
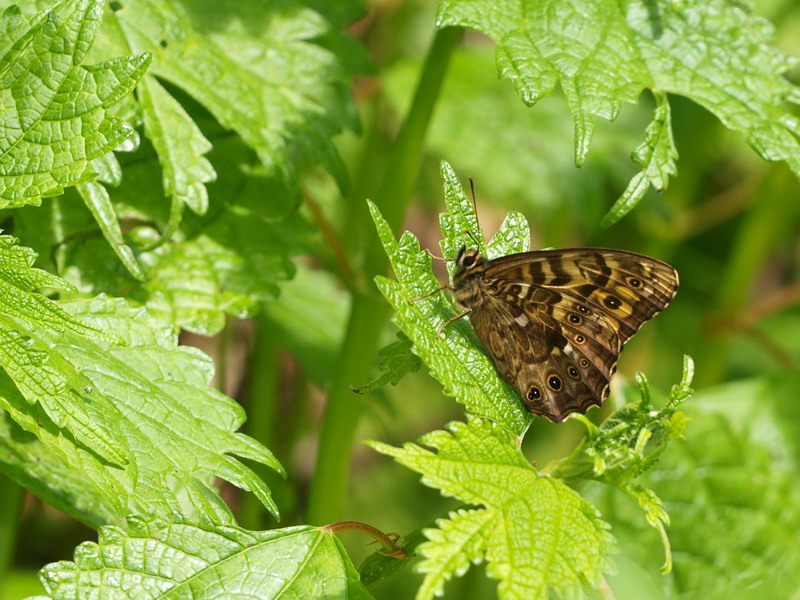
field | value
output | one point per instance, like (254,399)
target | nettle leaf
(180,146)
(606,53)
(279,78)
(55,117)
(394,361)
(455,357)
(226,262)
(734,506)
(630,440)
(156,559)
(97,200)
(234,263)
(629,443)
(176,431)
(537,535)
(261,75)
(30,373)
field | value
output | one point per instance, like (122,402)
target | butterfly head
(467,283)
(469,259)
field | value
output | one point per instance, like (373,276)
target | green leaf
(279,78)
(232,267)
(605,54)
(178,560)
(454,357)
(537,535)
(656,155)
(734,505)
(55,118)
(227,261)
(99,204)
(179,144)
(259,73)
(177,432)
(395,361)
(26,319)
(629,443)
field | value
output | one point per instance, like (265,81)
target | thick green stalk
(262,408)
(368,311)
(11,501)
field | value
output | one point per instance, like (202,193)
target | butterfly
(554,321)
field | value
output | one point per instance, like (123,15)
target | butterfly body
(554,321)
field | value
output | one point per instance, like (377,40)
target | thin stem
(389,540)
(368,312)
(334,243)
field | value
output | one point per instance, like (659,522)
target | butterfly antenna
(475,209)
(442,258)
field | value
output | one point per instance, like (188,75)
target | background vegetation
(246,138)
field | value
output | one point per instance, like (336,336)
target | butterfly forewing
(554,321)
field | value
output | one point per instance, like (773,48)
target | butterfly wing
(562,311)
(535,357)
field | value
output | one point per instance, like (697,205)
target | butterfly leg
(434,292)
(450,320)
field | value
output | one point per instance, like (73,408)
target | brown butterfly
(554,321)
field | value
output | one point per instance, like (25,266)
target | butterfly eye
(554,382)
(634,282)
(574,319)
(468,260)
(534,393)
(573,372)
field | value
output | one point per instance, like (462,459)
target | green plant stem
(766,225)
(11,501)
(262,413)
(368,311)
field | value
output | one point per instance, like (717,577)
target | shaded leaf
(734,511)
(394,361)
(259,73)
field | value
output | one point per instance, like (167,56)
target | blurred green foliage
(260,133)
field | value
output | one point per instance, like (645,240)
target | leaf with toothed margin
(161,559)
(56,116)
(605,53)
(537,536)
(455,357)
(176,432)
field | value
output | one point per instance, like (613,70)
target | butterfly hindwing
(536,359)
